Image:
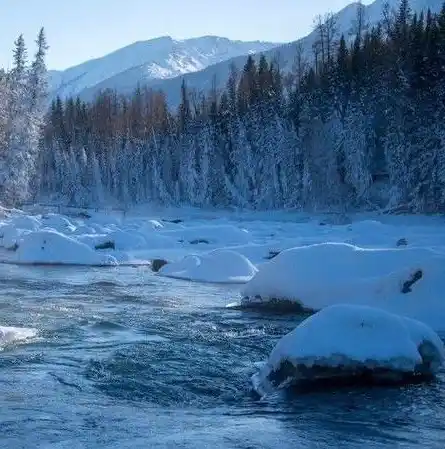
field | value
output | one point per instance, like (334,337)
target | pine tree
(38,84)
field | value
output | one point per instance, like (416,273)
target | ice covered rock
(219,266)
(351,342)
(51,247)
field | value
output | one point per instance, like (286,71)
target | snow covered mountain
(142,62)
(284,54)
(163,63)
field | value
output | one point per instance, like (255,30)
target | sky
(78,30)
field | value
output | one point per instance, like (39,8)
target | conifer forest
(358,124)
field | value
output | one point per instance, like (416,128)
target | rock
(336,220)
(157,264)
(106,245)
(349,344)
(13,248)
(406,288)
(402,242)
(198,241)
(175,221)
(272,255)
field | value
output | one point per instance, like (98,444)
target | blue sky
(78,30)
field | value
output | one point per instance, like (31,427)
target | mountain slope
(127,79)
(284,54)
(160,58)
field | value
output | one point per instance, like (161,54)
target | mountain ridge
(201,77)
(158,58)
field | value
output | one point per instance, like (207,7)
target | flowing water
(124,359)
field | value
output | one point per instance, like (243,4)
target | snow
(160,58)
(219,266)
(320,275)
(57,222)
(313,266)
(222,234)
(10,335)
(350,340)
(52,247)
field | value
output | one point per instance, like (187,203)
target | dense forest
(358,124)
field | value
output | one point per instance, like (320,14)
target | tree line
(357,124)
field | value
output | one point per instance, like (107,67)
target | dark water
(127,360)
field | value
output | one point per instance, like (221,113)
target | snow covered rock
(27,222)
(84,230)
(150,225)
(58,222)
(51,247)
(125,240)
(10,235)
(351,342)
(320,275)
(219,266)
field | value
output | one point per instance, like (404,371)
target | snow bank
(9,236)
(25,222)
(57,222)
(349,341)
(14,334)
(317,276)
(84,230)
(51,247)
(219,266)
(119,240)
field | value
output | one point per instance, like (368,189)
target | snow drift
(351,342)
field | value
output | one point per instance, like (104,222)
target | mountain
(201,61)
(142,62)
(285,54)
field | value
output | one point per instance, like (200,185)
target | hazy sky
(78,30)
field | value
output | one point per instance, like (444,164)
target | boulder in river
(350,343)
(157,264)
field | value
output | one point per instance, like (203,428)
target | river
(124,359)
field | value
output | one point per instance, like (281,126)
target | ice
(347,341)
(15,334)
(52,247)
(219,266)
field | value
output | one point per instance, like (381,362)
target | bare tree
(327,37)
